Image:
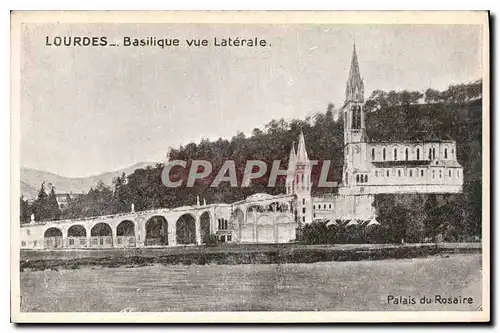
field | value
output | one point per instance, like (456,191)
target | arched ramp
(53,238)
(205,227)
(186,229)
(101,235)
(125,234)
(77,236)
(156,231)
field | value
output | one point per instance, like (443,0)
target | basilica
(370,168)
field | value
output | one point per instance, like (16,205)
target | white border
(245,17)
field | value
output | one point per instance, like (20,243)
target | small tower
(301,185)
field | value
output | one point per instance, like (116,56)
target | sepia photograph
(250,167)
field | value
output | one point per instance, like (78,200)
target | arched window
(421,173)
(387,173)
(440,174)
(411,173)
(418,153)
(357,178)
(373,153)
(366,178)
(446,153)
(433,153)
(356,117)
(449,173)
(395,154)
(430,153)
(346,178)
(406,154)
(383,154)
(399,173)
(304,201)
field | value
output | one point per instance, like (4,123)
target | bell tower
(355,140)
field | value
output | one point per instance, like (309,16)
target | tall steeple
(302,157)
(355,89)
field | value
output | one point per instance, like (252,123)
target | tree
(40,206)
(52,206)
(24,211)
(431,95)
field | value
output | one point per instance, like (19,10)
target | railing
(155,242)
(77,242)
(53,242)
(101,241)
(125,241)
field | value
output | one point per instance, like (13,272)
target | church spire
(301,150)
(354,88)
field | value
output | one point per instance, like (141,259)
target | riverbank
(232,254)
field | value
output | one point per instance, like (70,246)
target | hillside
(31,180)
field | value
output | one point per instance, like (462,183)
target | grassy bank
(234,254)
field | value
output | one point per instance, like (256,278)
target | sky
(87,110)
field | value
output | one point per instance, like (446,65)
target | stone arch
(52,232)
(77,230)
(283,207)
(265,229)
(205,226)
(53,238)
(186,229)
(125,233)
(125,228)
(250,211)
(77,236)
(273,206)
(101,235)
(156,231)
(239,216)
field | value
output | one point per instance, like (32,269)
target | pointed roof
(301,150)
(354,85)
(354,75)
